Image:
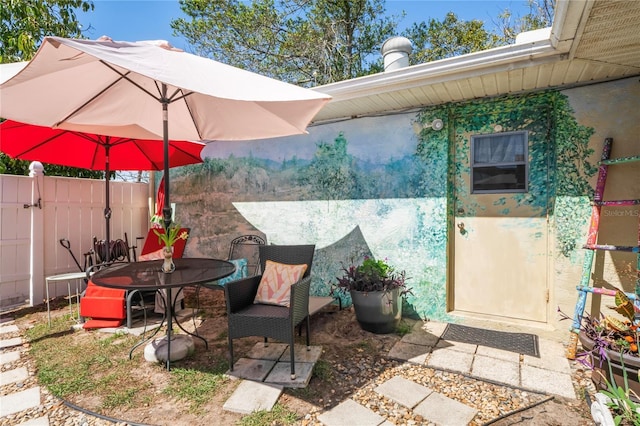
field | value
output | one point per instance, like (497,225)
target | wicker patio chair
(247,318)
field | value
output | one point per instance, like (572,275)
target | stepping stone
(441,410)
(281,374)
(13,376)
(403,391)
(423,334)
(19,401)
(252,369)
(40,421)
(302,354)
(457,346)
(498,354)
(350,412)
(451,360)
(496,371)
(253,396)
(12,328)
(7,343)
(433,327)
(7,357)
(410,352)
(272,352)
(552,357)
(547,381)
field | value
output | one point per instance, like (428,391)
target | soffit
(595,41)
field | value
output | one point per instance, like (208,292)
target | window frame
(525,162)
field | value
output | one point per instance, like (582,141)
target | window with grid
(499,162)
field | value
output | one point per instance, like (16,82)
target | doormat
(521,343)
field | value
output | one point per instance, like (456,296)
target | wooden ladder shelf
(592,244)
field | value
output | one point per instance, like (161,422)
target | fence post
(36,266)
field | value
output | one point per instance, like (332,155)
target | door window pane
(499,162)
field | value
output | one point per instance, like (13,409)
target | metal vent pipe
(395,51)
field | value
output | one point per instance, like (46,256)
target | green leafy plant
(623,408)
(372,275)
(171,235)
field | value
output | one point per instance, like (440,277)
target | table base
(181,347)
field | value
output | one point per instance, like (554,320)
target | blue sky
(135,20)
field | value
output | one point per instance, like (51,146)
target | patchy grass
(195,387)
(403,328)
(94,366)
(279,415)
(323,370)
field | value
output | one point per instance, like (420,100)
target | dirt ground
(354,357)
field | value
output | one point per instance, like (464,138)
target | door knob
(460,210)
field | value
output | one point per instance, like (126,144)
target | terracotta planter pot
(601,367)
(377,311)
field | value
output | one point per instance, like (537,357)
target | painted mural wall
(384,186)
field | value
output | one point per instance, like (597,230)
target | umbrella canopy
(148,90)
(93,152)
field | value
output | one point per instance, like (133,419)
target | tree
(540,16)
(447,38)
(306,42)
(330,172)
(23,25)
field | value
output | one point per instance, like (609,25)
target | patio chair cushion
(276,281)
(241,271)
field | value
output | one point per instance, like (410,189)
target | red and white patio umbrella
(149,90)
(93,152)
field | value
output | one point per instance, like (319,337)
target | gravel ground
(361,374)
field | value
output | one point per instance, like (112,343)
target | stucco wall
(383,186)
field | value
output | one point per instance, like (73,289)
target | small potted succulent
(376,289)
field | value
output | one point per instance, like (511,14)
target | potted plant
(375,288)
(168,237)
(611,352)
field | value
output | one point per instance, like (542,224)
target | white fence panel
(15,234)
(72,209)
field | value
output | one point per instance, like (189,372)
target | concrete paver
(262,397)
(498,354)
(496,370)
(445,411)
(7,357)
(10,328)
(272,352)
(252,369)
(452,360)
(281,374)
(13,376)
(19,401)
(547,381)
(435,328)
(7,343)
(40,421)
(403,391)
(302,354)
(457,346)
(416,354)
(350,413)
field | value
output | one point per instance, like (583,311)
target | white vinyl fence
(37,211)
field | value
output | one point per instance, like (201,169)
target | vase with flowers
(376,289)
(168,237)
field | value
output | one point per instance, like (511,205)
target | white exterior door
(500,232)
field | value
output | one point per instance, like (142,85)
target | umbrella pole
(107,209)
(166,211)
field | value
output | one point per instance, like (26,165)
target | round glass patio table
(149,276)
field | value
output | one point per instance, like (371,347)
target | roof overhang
(568,53)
